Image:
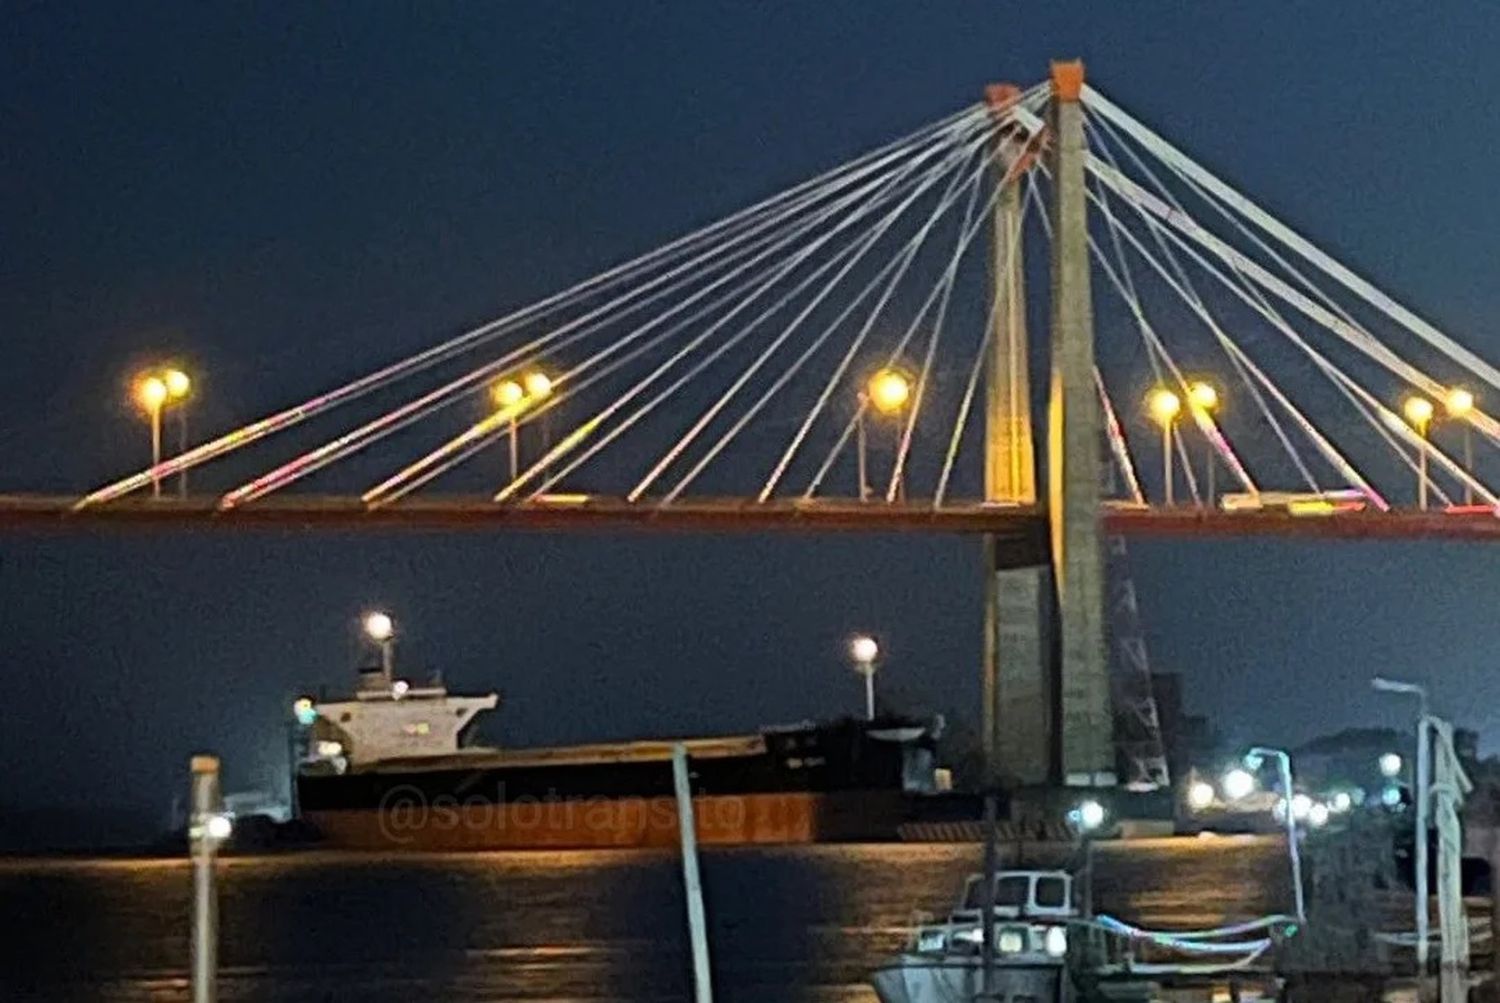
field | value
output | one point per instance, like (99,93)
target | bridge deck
(41,513)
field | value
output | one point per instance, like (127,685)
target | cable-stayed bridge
(857,352)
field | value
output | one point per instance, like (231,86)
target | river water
(786,924)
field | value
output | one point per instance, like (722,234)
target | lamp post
(151,393)
(1087,817)
(1423,782)
(864,650)
(1253,760)
(515,396)
(887,392)
(1418,412)
(381,629)
(509,394)
(1204,398)
(1164,406)
(179,385)
(1459,403)
(538,387)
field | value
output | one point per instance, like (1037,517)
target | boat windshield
(1012,891)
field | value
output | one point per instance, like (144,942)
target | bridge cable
(747,374)
(594,423)
(1374,412)
(792,369)
(563,387)
(322,402)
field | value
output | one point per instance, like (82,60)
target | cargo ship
(392,767)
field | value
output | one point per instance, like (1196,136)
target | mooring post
(703,991)
(987,899)
(203,836)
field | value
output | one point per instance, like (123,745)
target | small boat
(945,962)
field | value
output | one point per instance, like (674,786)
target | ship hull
(753,819)
(921,979)
(843,782)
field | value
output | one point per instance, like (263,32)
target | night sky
(282,196)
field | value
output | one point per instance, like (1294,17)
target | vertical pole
(900,422)
(182,487)
(859,449)
(1017,683)
(1422,473)
(1166,458)
(870,692)
(293,760)
(1285,762)
(1419,848)
(703,991)
(1075,431)
(205,804)
(1468,463)
(155,450)
(1208,476)
(1449,786)
(989,681)
(515,449)
(388,659)
(987,900)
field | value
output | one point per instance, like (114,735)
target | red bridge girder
(332,513)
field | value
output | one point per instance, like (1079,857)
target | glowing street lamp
(1238,784)
(380,628)
(177,382)
(1203,397)
(1164,407)
(1459,403)
(151,394)
(1088,816)
(1418,412)
(507,393)
(538,388)
(538,385)
(864,650)
(1390,765)
(516,396)
(887,392)
(179,385)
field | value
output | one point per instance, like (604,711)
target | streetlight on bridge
(887,391)
(153,392)
(516,396)
(1203,397)
(1418,412)
(1164,406)
(1460,403)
